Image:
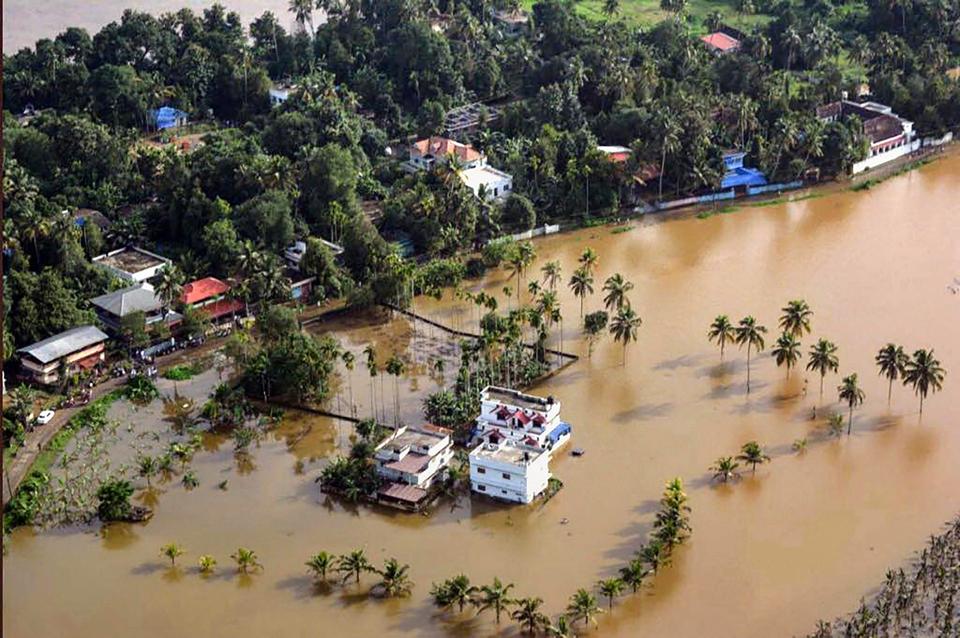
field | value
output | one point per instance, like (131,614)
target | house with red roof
(720,43)
(209,295)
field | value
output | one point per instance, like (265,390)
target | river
(804,538)
(25,22)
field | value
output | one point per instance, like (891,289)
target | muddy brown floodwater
(804,538)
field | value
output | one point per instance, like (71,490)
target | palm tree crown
(624,328)
(924,373)
(850,392)
(892,363)
(495,596)
(753,455)
(787,351)
(616,288)
(795,319)
(722,332)
(581,283)
(823,359)
(750,333)
(583,607)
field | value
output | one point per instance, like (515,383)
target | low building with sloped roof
(71,351)
(890,135)
(113,307)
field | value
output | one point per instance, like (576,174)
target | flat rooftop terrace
(508,452)
(516,398)
(131,260)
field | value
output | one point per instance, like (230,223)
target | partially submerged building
(410,461)
(736,175)
(80,348)
(518,434)
(132,264)
(890,135)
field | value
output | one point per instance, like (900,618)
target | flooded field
(25,22)
(805,538)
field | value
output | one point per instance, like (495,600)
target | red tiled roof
(503,413)
(202,289)
(441,147)
(721,41)
(522,417)
(538,418)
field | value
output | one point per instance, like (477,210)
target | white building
(518,433)
(132,264)
(410,461)
(294,253)
(475,172)
(509,471)
(281,93)
(522,418)
(890,135)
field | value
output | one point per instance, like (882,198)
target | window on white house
(506,476)
(482,488)
(481,470)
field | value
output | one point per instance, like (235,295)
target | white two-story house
(474,171)
(410,461)
(509,471)
(522,418)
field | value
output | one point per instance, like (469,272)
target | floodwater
(805,538)
(26,21)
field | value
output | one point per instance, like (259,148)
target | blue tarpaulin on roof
(561,430)
(168,117)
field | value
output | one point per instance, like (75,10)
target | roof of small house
(721,41)
(412,463)
(125,301)
(401,492)
(616,153)
(442,146)
(203,289)
(878,122)
(130,259)
(63,344)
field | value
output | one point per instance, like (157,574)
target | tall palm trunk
(850,420)
(748,368)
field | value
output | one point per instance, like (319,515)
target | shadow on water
(643,412)
(684,361)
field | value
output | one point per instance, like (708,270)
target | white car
(45,417)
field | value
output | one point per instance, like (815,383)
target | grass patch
(648,12)
(593,222)
(90,414)
(723,210)
(182,372)
(786,200)
(621,229)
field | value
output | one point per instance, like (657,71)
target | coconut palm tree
(583,607)
(394,580)
(581,283)
(892,363)
(795,319)
(753,455)
(371,353)
(495,596)
(354,564)
(751,333)
(206,563)
(624,328)
(823,359)
(722,332)
(924,373)
(454,591)
(321,563)
(172,551)
(147,467)
(169,286)
(616,288)
(349,362)
(787,351)
(395,368)
(560,629)
(528,615)
(850,392)
(633,574)
(588,260)
(654,554)
(611,588)
(246,560)
(551,273)
(724,469)
(303,13)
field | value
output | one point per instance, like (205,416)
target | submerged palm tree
(560,629)
(581,283)
(722,332)
(633,573)
(551,273)
(787,351)
(583,607)
(495,596)
(751,333)
(616,288)
(725,469)
(172,551)
(246,560)
(394,580)
(354,564)
(321,563)
(528,615)
(624,328)
(924,373)
(588,260)
(611,588)
(753,455)
(823,359)
(892,362)
(454,591)
(795,319)
(850,392)
(206,563)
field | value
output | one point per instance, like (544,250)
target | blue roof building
(167,117)
(739,175)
